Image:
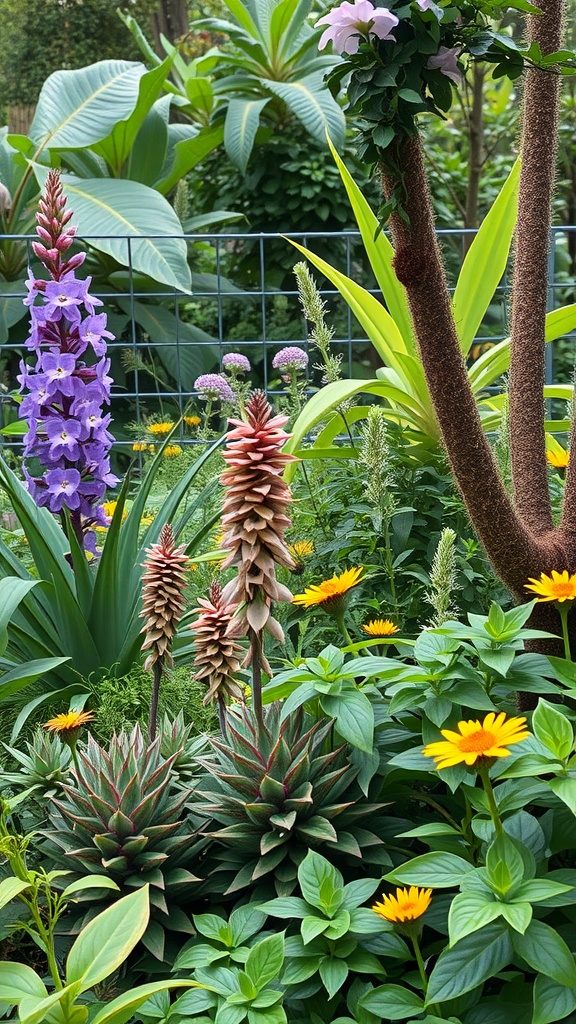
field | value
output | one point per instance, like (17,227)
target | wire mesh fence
(243,299)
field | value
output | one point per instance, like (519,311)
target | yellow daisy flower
(406,905)
(558,459)
(69,721)
(160,428)
(475,740)
(301,548)
(380,627)
(330,591)
(139,446)
(171,450)
(192,421)
(560,586)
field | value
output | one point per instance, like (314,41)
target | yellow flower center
(477,741)
(563,589)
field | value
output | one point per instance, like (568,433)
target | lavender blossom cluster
(67,389)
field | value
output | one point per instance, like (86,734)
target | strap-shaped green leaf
(240,127)
(485,262)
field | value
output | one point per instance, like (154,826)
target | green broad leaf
(357,892)
(546,952)
(553,729)
(354,717)
(552,1002)
(504,865)
(539,889)
(285,906)
(240,127)
(469,912)
(470,962)
(333,973)
(433,828)
(90,882)
(11,887)
(312,927)
(227,1013)
(121,1009)
(35,1011)
(265,960)
(485,262)
(80,107)
(22,675)
(518,915)
(313,104)
(565,789)
(433,870)
(18,981)
(320,882)
(117,146)
(106,941)
(392,1002)
(185,155)
(121,208)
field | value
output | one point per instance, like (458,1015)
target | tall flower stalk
(254,521)
(163,604)
(66,388)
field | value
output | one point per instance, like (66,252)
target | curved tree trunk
(170,20)
(518,534)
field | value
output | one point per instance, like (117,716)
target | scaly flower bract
(330,591)
(475,740)
(68,721)
(380,627)
(560,586)
(406,905)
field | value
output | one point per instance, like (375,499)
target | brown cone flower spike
(216,658)
(254,518)
(164,582)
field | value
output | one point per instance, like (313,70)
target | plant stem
(420,962)
(153,720)
(494,813)
(339,620)
(48,943)
(563,610)
(255,639)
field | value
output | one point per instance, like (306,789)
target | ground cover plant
(373,825)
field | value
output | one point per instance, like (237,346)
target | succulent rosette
(68,386)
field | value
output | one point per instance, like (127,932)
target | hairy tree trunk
(518,534)
(170,20)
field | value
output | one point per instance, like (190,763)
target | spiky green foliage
(276,792)
(45,767)
(178,743)
(123,819)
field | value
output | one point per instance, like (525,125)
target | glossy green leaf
(186,154)
(552,1001)
(469,912)
(354,716)
(90,882)
(121,1009)
(553,729)
(545,951)
(117,146)
(18,981)
(265,960)
(11,887)
(79,107)
(470,962)
(107,939)
(434,870)
(392,1002)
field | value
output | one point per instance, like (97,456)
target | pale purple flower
(446,62)
(236,362)
(349,22)
(63,485)
(290,359)
(67,427)
(213,386)
(425,5)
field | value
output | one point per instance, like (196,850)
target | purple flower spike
(290,359)
(212,386)
(67,428)
(236,363)
(348,23)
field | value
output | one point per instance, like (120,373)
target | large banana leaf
(240,127)
(80,107)
(312,103)
(486,370)
(146,233)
